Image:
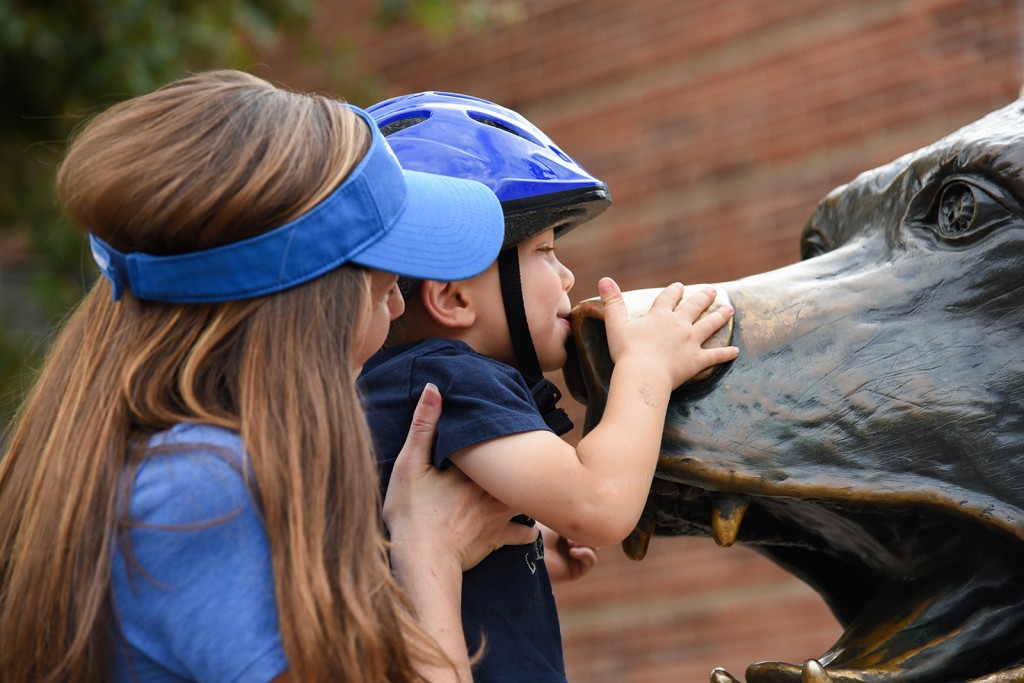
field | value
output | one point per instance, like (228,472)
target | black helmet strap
(545,393)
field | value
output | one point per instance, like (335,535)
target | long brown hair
(208,160)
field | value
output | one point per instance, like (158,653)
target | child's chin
(554,364)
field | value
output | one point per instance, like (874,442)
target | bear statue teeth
(814,672)
(811,672)
(726,516)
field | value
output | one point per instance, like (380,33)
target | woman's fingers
(424,421)
(411,485)
(414,458)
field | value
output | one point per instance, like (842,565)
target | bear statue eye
(963,209)
(957,209)
(813,244)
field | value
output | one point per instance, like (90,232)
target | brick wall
(718,124)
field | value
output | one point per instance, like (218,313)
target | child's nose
(568,279)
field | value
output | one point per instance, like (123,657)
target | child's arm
(594,494)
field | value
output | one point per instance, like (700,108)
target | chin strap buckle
(547,395)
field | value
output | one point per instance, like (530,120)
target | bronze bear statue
(870,437)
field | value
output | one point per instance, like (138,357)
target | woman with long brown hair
(188,492)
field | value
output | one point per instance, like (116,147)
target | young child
(486,342)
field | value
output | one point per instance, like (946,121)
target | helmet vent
(512,129)
(401,124)
(495,124)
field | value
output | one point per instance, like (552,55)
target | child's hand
(669,337)
(566,560)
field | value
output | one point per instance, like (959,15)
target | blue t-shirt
(507,598)
(198,604)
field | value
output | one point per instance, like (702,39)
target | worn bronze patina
(870,437)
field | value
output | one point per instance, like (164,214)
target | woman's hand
(443,514)
(441,524)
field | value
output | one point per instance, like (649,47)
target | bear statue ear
(447,303)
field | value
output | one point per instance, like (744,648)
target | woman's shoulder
(192,473)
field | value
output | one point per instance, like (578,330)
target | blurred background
(718,124)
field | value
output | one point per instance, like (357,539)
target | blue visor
(419,225)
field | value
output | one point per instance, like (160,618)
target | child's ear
(447,303)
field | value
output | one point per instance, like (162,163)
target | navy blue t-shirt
(507,598)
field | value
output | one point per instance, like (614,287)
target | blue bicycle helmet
(540,187)
(538,184)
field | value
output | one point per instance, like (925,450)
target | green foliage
(63,59)
(442,17)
